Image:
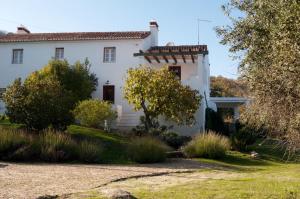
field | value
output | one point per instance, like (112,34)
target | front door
(109,93)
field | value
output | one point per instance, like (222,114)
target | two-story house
(111,55)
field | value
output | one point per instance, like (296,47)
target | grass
(113,146)
(114,150)
(237,175)
(244,177)
(209,145)
(147,150)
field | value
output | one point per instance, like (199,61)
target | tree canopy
(267,39)
(159,93)
(225,87)
(47,96)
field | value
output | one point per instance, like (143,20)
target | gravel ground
(34,180)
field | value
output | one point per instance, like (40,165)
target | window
(109,93)
(109,55)
(2,91)
(176,70)
(59,53)
(17,56)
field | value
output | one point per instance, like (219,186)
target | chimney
(22,30)
(154,32)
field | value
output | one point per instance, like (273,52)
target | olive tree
(267,39)
(157,92)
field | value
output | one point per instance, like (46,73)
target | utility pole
(201,20)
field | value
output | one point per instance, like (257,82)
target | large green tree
(267,39)
(157,92)
(47,96)
(39,104)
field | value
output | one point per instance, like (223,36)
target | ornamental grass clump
(147,150)
(207,145)
(47,146)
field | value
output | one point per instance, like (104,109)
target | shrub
(92,113)
(214,122)
(47,96)
(49,146)
(11,140)
(38,104)
(207,145)
(173,139)
(243,137)
(57,147)
(90,151)
(147,150)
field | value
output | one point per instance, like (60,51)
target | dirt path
(34,180)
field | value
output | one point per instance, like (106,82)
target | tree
(47,96)
(75,78)
(159,92)
(225,87)
(38,104)
(267,39)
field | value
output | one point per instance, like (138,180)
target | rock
(254,154)
(118,194)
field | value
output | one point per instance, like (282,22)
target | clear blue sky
(177,21)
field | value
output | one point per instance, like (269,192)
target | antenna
(201,20)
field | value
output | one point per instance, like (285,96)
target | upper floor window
(17,57)
(2,91)
(59,53)
(176,70)
(109,55)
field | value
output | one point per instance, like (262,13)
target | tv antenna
(198,21)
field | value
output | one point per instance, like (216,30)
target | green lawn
(235,176)
(114,145)
(244,177)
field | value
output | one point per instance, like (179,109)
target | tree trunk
(148,121)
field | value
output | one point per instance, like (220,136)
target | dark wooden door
(109,93)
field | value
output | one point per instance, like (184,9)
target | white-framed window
(59,53)
(109,55)
(2,91)
(17,57)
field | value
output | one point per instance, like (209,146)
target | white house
(111,54)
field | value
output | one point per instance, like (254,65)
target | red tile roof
(73,36)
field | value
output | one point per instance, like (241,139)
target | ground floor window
(176,70)
(109,93)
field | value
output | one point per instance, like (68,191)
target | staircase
(128,120)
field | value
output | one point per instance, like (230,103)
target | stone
(118,194)
(254,154)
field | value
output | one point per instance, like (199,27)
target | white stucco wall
(37,54)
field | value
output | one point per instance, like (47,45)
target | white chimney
(154,32)
(22,30)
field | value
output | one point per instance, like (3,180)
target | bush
(38,104)
(47,96)
(214,122)
(147,150)
(11,140)
(92,113)
(57,147)
(90,151)
(207,145)
(173,139)
(243,137)
(49,146)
